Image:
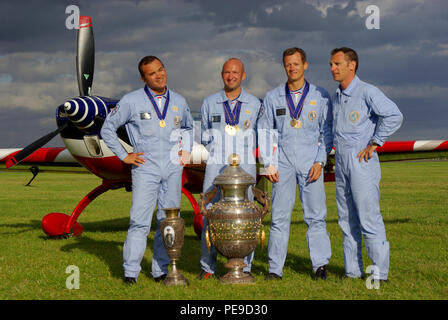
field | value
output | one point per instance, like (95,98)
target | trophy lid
(234,174)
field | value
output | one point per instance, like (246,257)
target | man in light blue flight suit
(159,124)
(302,115)
(228,125)
(364,118)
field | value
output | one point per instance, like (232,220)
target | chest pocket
(248,118)
(353,114)
(146,122)
(172,121)
(310,116)
(215,120)
(280,117)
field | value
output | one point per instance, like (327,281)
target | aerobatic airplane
(79,121)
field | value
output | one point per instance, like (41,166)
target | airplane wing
(411,150)
(44,156)
(390,151)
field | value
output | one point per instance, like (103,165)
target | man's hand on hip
(135,159)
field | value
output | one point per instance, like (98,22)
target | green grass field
(414,204)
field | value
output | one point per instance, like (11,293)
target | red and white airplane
(79,121)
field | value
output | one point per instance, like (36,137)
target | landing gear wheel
(54,225)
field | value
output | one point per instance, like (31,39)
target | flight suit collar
(155,95)
(242,98)
(282,92)
(349,90)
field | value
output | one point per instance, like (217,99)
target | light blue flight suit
(362,113)
(220,146)
(159,179)
(297,151)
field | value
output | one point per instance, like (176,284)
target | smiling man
(228,122)
(364,118)
(157,121)
(302,114)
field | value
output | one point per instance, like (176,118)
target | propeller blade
(28,150)
(85,57)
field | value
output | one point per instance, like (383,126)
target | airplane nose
(82,111)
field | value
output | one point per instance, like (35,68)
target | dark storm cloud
(27,25)
(406,58)
(282,15)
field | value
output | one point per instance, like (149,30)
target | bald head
(233,61)
(232,75)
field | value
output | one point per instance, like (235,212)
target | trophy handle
(262,198)
(205,199)
(262,237)
(207,239)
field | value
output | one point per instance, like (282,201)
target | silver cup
(235,223)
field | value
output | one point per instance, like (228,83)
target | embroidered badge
(313,102)
(176,121)
(248,111)
(354,116)
(175,108)
(312,115)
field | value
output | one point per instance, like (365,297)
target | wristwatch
(373,143)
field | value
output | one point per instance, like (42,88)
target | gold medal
(230,130)
(246,124)
(295,123)
(162,124)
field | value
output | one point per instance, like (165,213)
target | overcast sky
(406,57)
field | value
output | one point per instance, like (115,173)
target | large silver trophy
(235,223)
(173,229)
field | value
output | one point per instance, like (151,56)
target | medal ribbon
(232,118)
(162,115)
(295,111)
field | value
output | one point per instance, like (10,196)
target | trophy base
(175,279)
(236,274)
